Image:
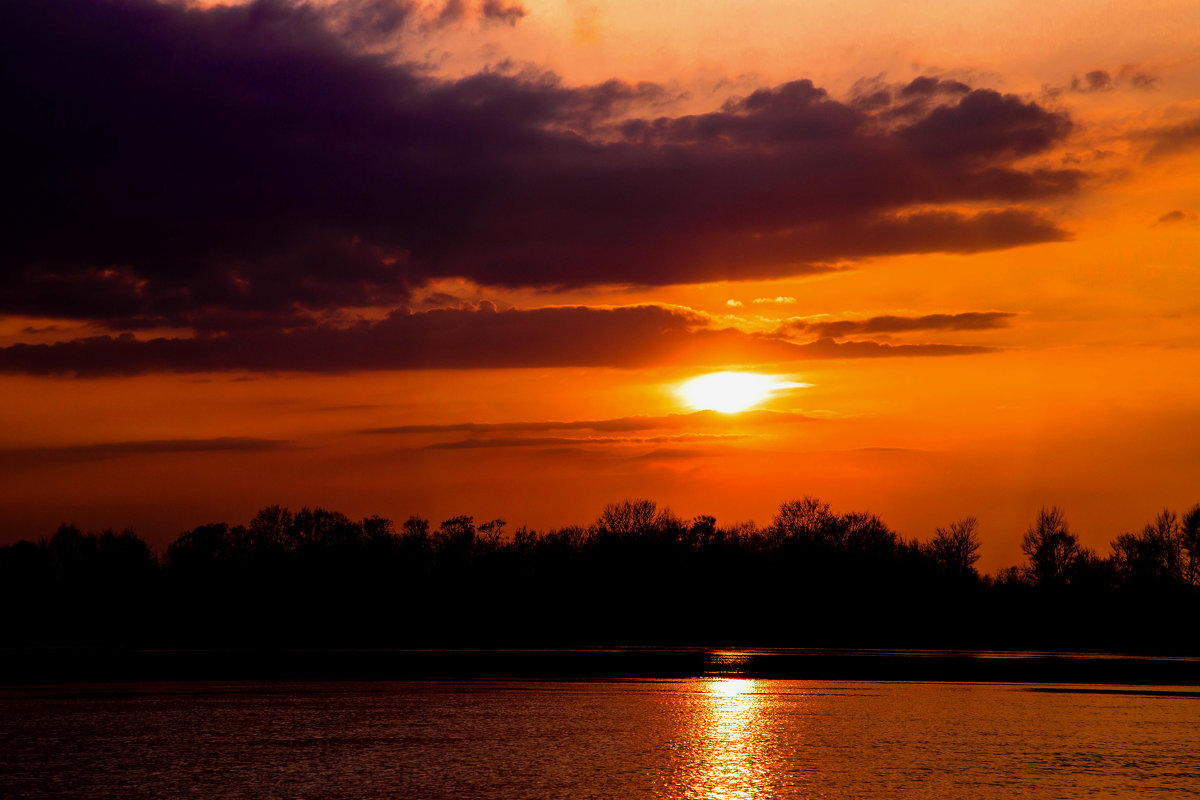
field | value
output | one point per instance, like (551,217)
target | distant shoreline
(32,666)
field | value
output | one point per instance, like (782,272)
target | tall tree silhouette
(1189,530)
(1052,549)
(807,522)
(956,549)
(1158,556)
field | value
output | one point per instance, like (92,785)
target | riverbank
(84,665)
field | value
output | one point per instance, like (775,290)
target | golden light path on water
(729,741)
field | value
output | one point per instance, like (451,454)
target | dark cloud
(1127,76)
(1102,80)
(828,348)
(506,13)
(839,328)
(925,86)
(685,453)
(452,11)
(706,253)
(555,441)
(64,454)
(441,300)
(1178,215)
(983,127)
(451,339)
(443,338)
(601,451)
(508,441)
(1144,81)
(372,21)
(896,104)
(1097,80)
(695,419)
(366,21)
(1170,140)
(250,166)
(729,427)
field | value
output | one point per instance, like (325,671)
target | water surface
(693,738)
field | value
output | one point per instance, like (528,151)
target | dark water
(693,738)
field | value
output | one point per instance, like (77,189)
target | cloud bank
(626,337)
(259,167)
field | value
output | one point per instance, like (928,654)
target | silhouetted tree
(322,528)
(456,532)
(956,549)
(271,530)
(1189,534)
(416,547)
(865,536)
(416,529)
(74,553)
(572,537)
(524,538)
(124,558)
(1168,544)
(745,534)
(1053,551)
(491,532)
(201,548)
(702,530)
(807,521)
(376,528)
(627,518)
(1011,576)
(1156,556)
(639,574)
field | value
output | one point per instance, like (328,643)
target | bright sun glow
(730,392)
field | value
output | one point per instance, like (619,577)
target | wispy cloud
(890,323)
(692,420)
(581,441)
(1170,140)
(1177,216)
(99,451)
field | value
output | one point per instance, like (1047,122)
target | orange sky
(1082,389)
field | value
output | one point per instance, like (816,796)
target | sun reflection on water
(729,740)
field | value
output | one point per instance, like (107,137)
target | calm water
(700,738)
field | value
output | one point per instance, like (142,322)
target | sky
(394,257)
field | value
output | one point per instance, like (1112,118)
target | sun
(730,392)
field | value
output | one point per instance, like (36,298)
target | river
(704,737)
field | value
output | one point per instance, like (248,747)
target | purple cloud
(246,167)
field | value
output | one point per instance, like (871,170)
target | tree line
(639,574)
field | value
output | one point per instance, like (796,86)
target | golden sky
(395,258)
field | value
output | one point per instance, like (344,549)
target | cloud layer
(628,337)
(683,430)
(252,168)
